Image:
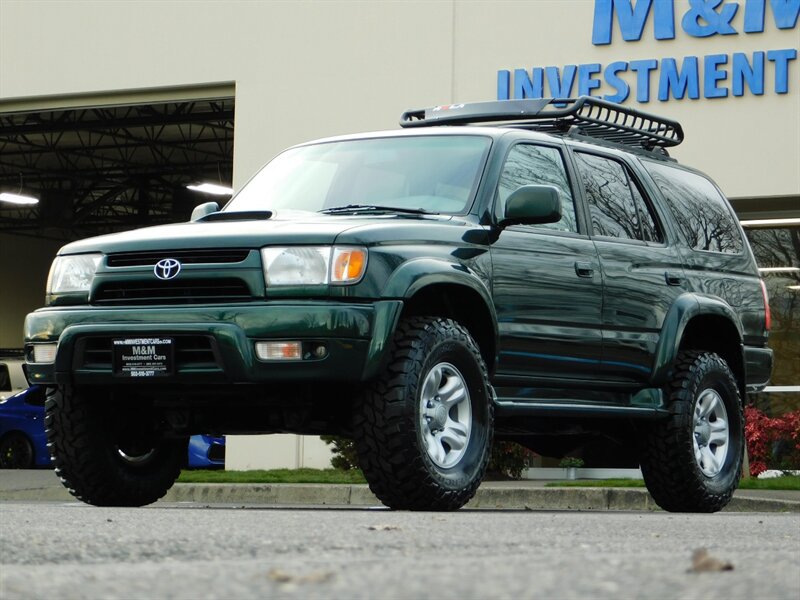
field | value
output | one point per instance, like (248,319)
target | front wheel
(692,461)
(106,455)
(423,430)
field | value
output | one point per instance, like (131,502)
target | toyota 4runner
(538,271)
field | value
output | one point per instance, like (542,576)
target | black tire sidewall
(472,464)
(86,454)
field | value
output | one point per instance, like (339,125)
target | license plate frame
(143,357)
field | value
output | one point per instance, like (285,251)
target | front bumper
(215,344)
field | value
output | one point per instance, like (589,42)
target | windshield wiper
(373,208)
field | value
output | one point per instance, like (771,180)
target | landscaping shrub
(772,442)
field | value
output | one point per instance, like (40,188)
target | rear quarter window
(698,208)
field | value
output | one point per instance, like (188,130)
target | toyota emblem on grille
(167,268)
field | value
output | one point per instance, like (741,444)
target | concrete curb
(497,497)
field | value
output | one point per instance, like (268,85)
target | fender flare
(417,274)
(685,308)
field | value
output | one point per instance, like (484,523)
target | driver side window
(528,164)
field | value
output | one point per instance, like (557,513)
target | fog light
(44,353)
(279,350)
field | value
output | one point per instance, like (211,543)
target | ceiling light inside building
(211,188)
(769,222)
(17,198)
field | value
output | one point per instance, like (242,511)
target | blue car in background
(206,452)
(23,442)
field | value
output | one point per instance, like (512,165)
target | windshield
(436,174)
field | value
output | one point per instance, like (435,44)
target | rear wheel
(423,431)
(692,461)
(109,457)
(16,451)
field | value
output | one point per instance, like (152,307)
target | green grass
(273,476)
(787,482)
(617,483)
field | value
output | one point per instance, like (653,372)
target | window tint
(650,230)
(538,165)
(699,209)
(617,205)
(5,380)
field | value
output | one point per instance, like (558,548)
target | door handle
(584,269)
(673,278)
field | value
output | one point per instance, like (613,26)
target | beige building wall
(278,451)
(24,264)
(308,69)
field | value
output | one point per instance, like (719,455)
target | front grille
(184,291)
(191,351)
(209,256)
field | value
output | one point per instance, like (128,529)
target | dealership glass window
(617,206)
(699,209)
(529,164)
(777,252)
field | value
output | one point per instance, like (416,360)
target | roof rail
(586,116)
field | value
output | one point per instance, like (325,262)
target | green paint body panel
(356,336)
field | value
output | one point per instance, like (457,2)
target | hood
(291,228)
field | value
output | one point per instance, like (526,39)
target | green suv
(537,270)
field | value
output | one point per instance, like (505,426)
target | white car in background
(12,379)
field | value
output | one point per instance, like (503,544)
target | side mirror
(203,210)
(532,205)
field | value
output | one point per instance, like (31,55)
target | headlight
(313,265)
(72,273)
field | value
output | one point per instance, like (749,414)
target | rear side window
(5,380)
(700,211)
(616,203)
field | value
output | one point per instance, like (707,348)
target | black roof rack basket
(586,116)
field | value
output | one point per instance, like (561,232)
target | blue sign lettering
(721,75)
(561,87)
(503,83)
(525,86)
(632,19)
(642,68)
(781,59)
(754,16)
(679,82)
(784,12)
(713,74)
(743,72)
(586,81)
(620,85)
(703,20)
